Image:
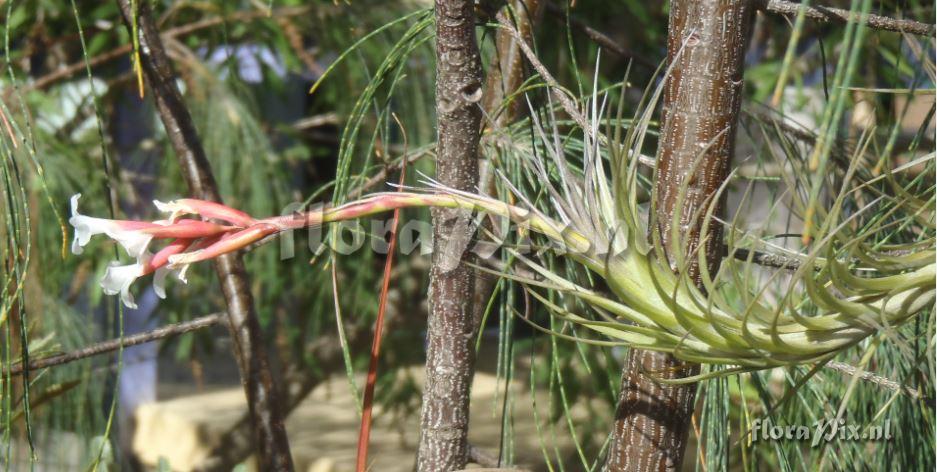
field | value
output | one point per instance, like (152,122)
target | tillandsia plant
(848,286)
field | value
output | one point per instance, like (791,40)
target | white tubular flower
(183,233)
(174,208)
(159,281)
(118,278)
(159,278)
(126,233)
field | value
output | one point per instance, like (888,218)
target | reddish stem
(368,404)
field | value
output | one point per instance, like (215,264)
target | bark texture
(272,445)
(700,114)
(838,15)
(507,73)
(503,79)
(450,357)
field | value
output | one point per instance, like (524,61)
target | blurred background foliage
(246,69)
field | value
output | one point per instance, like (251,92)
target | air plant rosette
(853,288)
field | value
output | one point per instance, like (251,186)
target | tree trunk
(450,357)
(273,449)
(700,114)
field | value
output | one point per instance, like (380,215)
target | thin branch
(381,176)
(272,443)
(558,91)
(599,37)
(368,400)
(767,259)
(316,121)
(111,345)
(567,103)
(71,69)
(874,378)
(838,15)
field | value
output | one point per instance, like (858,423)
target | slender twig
(558,91)
(262,398)
(842,150)
(767,259)
(111,345)
(839,15)
(316,121)
(872,377)
(767,115)
(599,37)
(381,176)
(567,103)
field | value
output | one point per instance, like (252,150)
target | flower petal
(117,280)
(159,278)
(180,274)
(174,208)
(134,242)
(158,262)
(206,209)
(159,281)
(82,229)
(130,234)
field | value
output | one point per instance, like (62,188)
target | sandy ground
(323,429)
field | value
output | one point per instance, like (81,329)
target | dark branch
(72,69)
(599,37)
(272,444)
(838,15)
(112,345)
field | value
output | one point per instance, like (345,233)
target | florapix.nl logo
(825,430)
